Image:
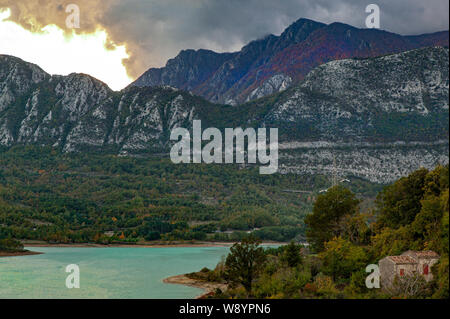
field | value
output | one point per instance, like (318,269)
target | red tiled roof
(402,259)
(421,254)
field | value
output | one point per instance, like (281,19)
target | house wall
(409,269)
(430,263)
(387,272)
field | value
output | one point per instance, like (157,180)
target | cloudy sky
(145,33)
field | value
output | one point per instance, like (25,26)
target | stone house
(409,263)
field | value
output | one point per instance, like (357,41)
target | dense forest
(411,214)
(50,196)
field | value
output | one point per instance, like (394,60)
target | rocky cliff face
(186,71)
(78,112)
(274,63)
(378,118)
(396,97)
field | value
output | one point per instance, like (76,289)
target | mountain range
(373,117)
(274,63)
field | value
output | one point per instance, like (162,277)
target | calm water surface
(105,272)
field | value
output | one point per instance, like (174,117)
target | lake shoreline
(19,253)
(208,287)
(145,245)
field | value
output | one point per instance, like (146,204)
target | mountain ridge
(273,63)
(356,109)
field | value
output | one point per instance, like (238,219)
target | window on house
(426,269)
(402,272)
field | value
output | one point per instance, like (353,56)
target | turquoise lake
(105,272)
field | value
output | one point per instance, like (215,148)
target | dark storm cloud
(155,30)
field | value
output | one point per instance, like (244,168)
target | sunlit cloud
(59,53)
